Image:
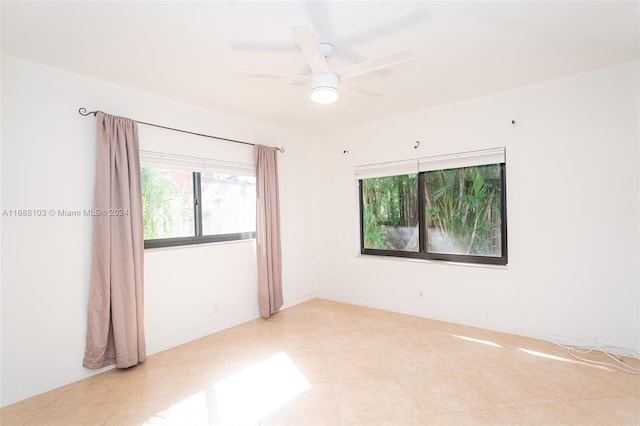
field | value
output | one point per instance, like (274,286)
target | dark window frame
(422,252)
(198,238)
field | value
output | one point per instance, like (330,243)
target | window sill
(201,245)
(433,262)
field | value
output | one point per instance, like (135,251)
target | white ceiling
(189,50)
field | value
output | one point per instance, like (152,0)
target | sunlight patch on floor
(593,364)
(246,397)
(242,399)
(471,339)
(543,355)
(191,411)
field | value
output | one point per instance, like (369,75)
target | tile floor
(328,363)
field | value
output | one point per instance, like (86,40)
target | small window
(167,200)
(390,213)
(228,203)
(455,213)
(463,211)
(182,207)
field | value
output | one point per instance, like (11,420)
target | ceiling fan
(324,83)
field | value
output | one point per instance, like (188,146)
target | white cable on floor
(595,346)
(619,362)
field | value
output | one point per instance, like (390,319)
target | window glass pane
(463,210)
(228,203)
(390,213)
(167,203)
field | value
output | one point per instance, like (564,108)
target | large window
(182,206)
(451,208)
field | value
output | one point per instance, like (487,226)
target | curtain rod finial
(83,111)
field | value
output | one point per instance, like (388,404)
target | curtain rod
(83,111)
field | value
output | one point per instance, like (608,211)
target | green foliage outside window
(389,203)
(165,210)
(463,210)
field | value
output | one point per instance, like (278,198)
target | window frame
(198,238)
(422,252)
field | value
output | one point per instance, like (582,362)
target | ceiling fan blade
(375,64)
(357,90)
(309,46)
(266,76)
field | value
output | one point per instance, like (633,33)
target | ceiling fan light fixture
(324,87)
(324,95)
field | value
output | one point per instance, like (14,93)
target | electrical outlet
(420,294)
(216,307)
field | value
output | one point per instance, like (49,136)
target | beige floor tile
(315,406)
(312,367)
(96,414)
(526,350)
(17,417)
(380,398)
(197,351)
(336,324)
(488,336)
(465,354)
(408,335)
(219,371)
(569,381)
(506,387)
(256,390)
(37,403)
(427,336)
(527,356)
(355,365)
(626,383)
(442,392)
(297,344)
(291,318)
(256,327)
(448,419)
(344,341)
(547,414)
(404,357)
(386,321)
(98,393)
(386,330)
(612,411)
(172,380)
(382,423)
(534,415)
(399,422)
(244,346)
(192,409)
(410,422)
(295,327)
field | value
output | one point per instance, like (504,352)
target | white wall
(573,211)
(48,157)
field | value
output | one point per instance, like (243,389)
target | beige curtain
(268,231)
(115,333)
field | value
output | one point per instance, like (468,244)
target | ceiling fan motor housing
(324,87)
(324,79)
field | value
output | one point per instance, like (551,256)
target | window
(186,202)
(450,208)
(390,213)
